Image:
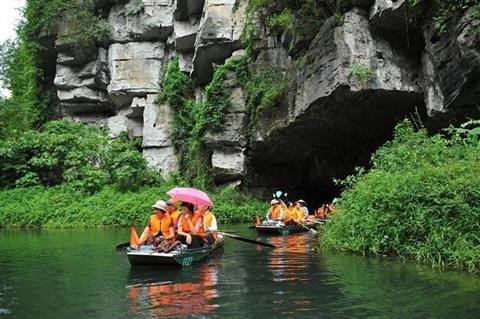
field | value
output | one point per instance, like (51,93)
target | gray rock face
(185,9)
(330,117)
(228,159)
(154,22)
(451,69)
(82,89)
(134,69)
(329,120)
(156,124)
(217,38)
(157,144)
(163,158)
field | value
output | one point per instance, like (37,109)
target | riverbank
(62,206)
(420,200)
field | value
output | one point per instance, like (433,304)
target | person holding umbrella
(190,224)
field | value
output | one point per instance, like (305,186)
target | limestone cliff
(328,121)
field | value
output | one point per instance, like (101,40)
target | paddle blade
(251,241)
(258,222)
(134,240)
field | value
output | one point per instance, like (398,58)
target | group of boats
(185,258)
(148,255)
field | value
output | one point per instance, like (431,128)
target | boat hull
(280,230)
(176,258)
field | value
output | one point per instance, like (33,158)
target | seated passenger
(160,224)
(291,217)
(302,205)
(275,213)
(209,224)
(189,226)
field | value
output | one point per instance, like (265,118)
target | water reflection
(288,261)
(172,292)
(78,274)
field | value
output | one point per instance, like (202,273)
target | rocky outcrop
(134,70)
(332,120)
(451,70)
(157,144)
(153,22)
(344,95)
(228,159)
(218,36)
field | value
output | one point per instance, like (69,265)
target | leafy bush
(77,24)
(361,72)
(64,152)
(64,206)
(444,11)
(419,200)
(135,7)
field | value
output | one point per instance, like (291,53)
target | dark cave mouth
(304,158)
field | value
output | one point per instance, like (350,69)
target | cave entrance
(325,143)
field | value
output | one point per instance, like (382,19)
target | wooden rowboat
(281,229)
(178,258)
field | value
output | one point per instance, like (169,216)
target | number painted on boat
(285,231)
(187,261)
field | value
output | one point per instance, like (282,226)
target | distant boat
(182,258)
(280,229)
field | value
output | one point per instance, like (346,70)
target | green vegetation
(135,7)
(192,120)
(446,10)
(361,72)
(76,23)
(82,156)
(302,18)
(419,200)
(62,206)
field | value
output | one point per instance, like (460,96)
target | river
(78,274)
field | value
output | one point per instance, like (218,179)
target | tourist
(160,224)
(173,211)
(209,224)
(189,225)
(302,207)
(275,213)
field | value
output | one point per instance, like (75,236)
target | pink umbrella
(191,195)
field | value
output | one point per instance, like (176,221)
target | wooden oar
(261,243)
(310,230)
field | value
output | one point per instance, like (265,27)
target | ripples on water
(77,274)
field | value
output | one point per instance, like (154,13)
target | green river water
(78,274)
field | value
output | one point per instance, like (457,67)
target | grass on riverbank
(420,200)
(63,206)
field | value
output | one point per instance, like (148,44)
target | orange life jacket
(155,223)
(167,222)
(275,211)
(207,220)
(174,217)
(207,223)
(289,214)
(301,213)
(186,226)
